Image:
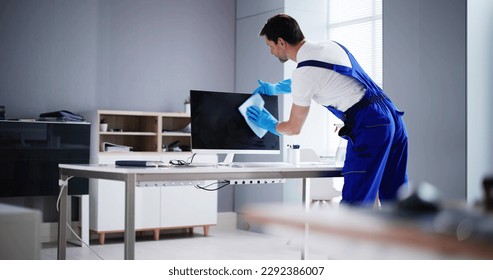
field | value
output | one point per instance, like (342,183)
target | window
(357,24)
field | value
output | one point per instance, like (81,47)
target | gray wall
(112,54)
(121,54)
(479,96)
(424,45)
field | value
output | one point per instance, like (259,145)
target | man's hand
(262,118)
(273,89)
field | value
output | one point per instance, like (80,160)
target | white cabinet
(107,200)
(193,204)
(176,205)
(158,205)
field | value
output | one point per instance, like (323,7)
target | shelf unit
(176,205)
(145,131)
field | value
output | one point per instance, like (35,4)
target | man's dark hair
(282,26)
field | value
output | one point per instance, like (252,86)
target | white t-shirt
(325,87)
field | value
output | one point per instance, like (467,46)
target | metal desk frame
(133,175)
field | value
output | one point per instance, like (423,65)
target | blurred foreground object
(380,234)
(421,198)
(488,193)
(20,237)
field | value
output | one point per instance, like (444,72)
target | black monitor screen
(218,125)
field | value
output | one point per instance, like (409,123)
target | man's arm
(296,120)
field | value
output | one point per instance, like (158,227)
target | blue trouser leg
(369,147)
(395,175)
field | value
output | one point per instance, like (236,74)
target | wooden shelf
(184,134)
(145,131)
(129,133)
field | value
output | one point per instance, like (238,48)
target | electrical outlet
(256,181)
(169,183)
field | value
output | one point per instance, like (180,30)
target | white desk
(133,175)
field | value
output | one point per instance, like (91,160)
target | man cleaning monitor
(376,155)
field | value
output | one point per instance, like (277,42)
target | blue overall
(376,155)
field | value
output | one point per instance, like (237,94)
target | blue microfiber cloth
(256,100)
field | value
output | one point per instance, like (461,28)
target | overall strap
(344,70)
(373,92)
(317,63)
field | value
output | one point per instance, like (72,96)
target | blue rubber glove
(273,89)
(263,119)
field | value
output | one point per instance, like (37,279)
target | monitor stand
(228,160)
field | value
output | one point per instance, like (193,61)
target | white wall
(479,96)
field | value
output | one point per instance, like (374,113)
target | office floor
(223,243)
(228,243)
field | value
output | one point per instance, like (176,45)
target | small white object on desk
(294,154)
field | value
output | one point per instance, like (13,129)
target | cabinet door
(187,206)
(108,201)
(147,202)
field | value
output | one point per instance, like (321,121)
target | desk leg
(306,205)
(129,236)
(84,218)
(62,222)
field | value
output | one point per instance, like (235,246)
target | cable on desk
(180,162)
(190,159)
(205,188)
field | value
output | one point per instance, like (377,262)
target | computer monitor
(219,127)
